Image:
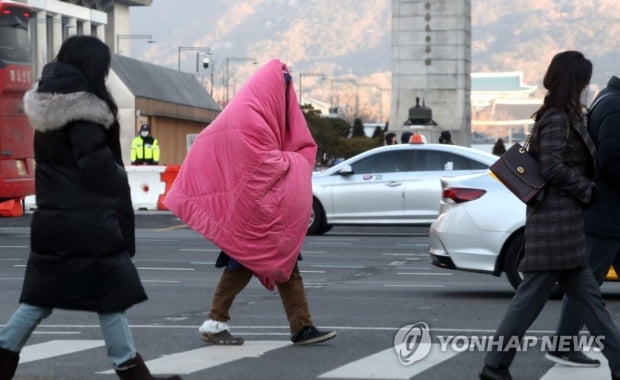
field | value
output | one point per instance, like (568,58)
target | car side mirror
(345,170)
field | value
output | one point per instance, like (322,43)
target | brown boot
(135,369)
(8,363)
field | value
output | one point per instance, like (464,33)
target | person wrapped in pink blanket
(246,186)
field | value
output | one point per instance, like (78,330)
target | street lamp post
(202,49)
(345,80)
(208,65)
(131,37)
(381,90)
(235,59)
(308,75)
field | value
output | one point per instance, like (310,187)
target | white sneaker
(213,327)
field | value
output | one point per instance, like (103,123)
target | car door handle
(393,183)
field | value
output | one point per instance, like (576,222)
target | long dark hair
(567,75)
(92,58)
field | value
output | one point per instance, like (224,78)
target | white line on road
(13,246)
(414,286)
(425,274)
(176,269)
(56,348)
(10,278)
(385,365)
(312,271)
(199,250)
(200,359)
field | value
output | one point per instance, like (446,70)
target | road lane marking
(385,365)
(56,348)
(424,274)
(174,269)
(414,286)
(186,362)
(199,250)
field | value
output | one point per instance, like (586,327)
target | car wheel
(317,225)
(512,259)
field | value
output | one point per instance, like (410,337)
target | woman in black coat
(554,236)
(82,233)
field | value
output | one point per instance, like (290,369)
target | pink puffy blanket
(246,182)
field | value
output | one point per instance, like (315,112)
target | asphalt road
(364,282)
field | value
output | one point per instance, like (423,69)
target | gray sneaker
(572,359)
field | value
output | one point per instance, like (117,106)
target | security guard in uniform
(145,148)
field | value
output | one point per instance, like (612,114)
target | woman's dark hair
(568,74)
(92,58)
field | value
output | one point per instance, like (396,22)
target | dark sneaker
(572,359)
(310,335)
(223,338)
(489,373)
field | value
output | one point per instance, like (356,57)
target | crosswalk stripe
(561,372)
(54,348)
(385,365)
(191,361)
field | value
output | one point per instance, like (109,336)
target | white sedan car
(480,228)
(396,184)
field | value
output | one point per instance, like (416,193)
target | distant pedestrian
(145,147)
(554,234)
(82,233)
(390,138)
(405,137)
(252,197)
(445,137)
(499,148)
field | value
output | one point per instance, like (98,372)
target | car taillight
(460,195)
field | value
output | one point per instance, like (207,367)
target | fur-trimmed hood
(48,111)
(60,97)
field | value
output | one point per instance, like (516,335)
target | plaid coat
(554,236)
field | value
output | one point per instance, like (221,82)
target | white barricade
(30,202)
(146,185)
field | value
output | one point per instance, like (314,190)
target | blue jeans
(114,327)
(602,252)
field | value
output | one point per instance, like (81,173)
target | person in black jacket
(82,233)
(602,220)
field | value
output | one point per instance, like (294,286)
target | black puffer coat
(82,235)
(603,219)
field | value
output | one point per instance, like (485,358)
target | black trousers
(531,296)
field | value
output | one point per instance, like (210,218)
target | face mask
(144,133)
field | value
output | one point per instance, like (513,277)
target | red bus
(16,134)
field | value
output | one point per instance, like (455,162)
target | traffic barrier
(168,177)
(146,185)
(12,207)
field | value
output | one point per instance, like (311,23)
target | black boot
(135,369)
(8,363)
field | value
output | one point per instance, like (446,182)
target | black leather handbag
(519,172)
